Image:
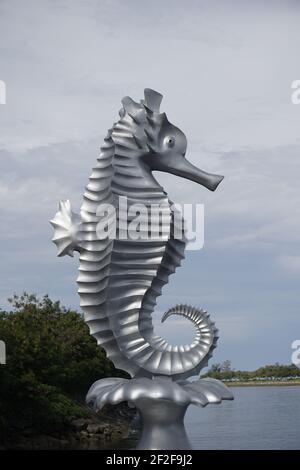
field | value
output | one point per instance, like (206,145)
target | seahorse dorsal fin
(152,99)
(134,109)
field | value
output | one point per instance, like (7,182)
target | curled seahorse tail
(205,341)
(155,356)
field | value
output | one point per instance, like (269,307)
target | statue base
(162,425)
(162,404)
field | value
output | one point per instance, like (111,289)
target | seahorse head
(160,145)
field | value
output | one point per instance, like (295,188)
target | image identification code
(154,459)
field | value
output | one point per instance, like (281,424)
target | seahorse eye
(170,141)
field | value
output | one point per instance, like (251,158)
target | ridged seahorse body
(120,278)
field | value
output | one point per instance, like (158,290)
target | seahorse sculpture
(120,278)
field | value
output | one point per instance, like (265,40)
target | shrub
(51,362)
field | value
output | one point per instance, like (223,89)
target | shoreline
(271,383)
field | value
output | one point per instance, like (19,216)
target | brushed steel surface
(162,405)
(120,279)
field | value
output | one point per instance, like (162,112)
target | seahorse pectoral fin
(66,226)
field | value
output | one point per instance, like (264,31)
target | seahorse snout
(183,168)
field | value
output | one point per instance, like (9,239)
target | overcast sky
(225,71)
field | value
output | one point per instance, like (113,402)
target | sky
(225,69)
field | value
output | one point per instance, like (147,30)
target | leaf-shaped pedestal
(162,404)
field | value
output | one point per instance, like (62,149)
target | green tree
(51,362)
(277,371)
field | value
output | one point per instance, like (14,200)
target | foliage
(269,372)
(51,362)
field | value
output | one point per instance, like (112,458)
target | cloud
(290,263)
(67,71)
(226,73)
(257,206)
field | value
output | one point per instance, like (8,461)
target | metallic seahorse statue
(120,278)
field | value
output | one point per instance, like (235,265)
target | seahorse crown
(143,128)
